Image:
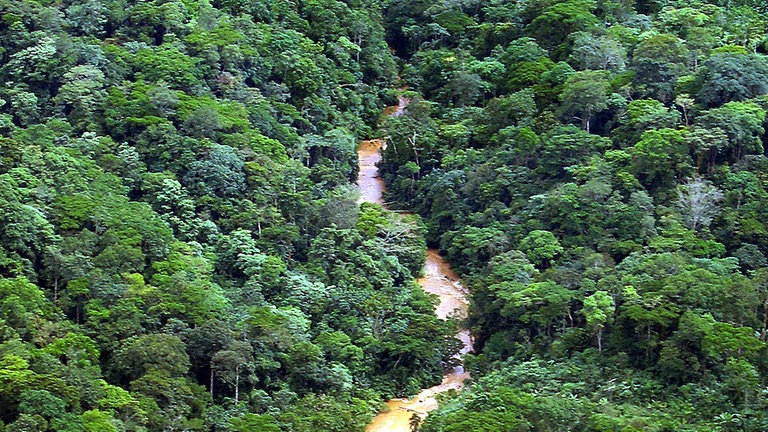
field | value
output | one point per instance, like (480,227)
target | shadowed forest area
(182,248)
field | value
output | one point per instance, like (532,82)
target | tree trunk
(600,339)
(211,381)
(237,384)
(648,339)
(765,320)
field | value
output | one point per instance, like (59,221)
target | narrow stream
(439,279)
(371,185)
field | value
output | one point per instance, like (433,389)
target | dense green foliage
(597,172)
(180,244)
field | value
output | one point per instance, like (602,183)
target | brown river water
(439,279)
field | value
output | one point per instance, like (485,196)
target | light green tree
(598,310)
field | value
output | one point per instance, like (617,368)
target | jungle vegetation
(181,247)
(180,243)
(596,170)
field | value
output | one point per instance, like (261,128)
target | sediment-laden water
(439,279)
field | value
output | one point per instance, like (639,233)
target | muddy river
(439,279)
